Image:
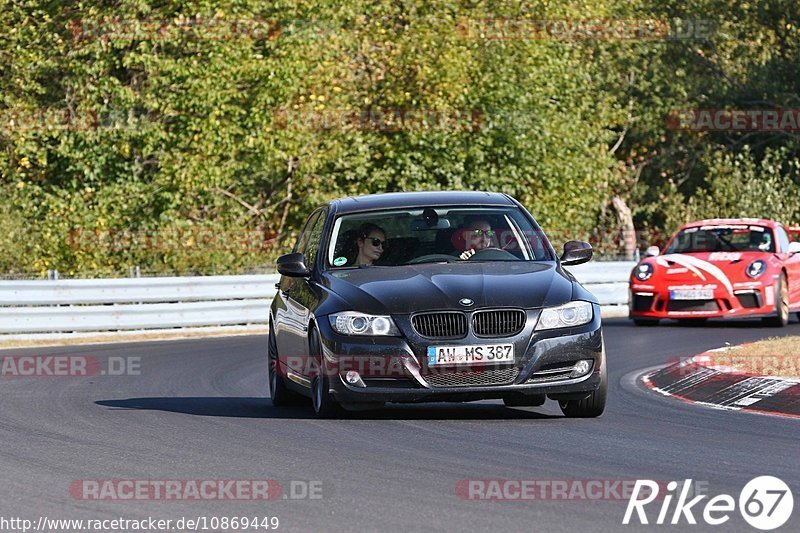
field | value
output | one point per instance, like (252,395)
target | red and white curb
(697,380)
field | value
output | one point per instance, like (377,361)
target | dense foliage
(196,136)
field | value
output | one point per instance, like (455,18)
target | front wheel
(593,405)
(325,405)
(281,396)
(781,317)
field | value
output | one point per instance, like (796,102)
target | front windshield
(435,235)
(724,238)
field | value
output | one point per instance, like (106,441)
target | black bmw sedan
(433,296)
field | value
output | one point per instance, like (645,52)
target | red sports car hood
(707,267)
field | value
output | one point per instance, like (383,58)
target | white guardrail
(83,305)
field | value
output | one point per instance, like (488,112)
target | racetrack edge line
(709,384)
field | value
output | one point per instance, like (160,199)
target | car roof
(390,200)
(732,221)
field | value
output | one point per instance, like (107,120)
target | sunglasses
(377,242)
(487,232)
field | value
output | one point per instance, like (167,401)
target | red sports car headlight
(643,272)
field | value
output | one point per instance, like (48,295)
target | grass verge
(775,356)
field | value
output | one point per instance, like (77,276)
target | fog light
(581,368)
(354,378)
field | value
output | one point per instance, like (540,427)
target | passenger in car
(371,242)
(478,235)
(761,241)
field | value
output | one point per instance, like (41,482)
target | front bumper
(748,299)
(395,369)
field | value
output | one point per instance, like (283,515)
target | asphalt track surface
(199,410)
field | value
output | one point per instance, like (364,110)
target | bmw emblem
(466,302)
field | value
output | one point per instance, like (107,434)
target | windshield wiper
(723,240)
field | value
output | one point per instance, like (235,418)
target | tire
(281,396)
(781,317)
(593,405)
(325,405)
(646,322)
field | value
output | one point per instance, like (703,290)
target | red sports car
(719,268)
(794,233)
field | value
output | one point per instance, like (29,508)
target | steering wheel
(432,258)
(493,253)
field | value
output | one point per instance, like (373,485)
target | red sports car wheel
(781,317)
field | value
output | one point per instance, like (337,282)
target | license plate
(470,355)
(692,294)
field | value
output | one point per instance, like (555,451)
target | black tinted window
(302,239)
(315,234)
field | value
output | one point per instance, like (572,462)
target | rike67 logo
(765,503)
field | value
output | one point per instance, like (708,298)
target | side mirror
(652,251)
(293,265)
(794,247)
(576,252)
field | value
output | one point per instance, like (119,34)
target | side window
(315,235)
(783,239)
(302,239)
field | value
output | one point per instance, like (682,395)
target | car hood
(411,288)
(705,264)
(717,258)
(707,268)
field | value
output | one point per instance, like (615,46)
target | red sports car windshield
(723,238)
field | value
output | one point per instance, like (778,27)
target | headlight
(565,316)
(353,323)
(756,268)
(643,272)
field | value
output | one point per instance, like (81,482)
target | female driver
(371,244)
